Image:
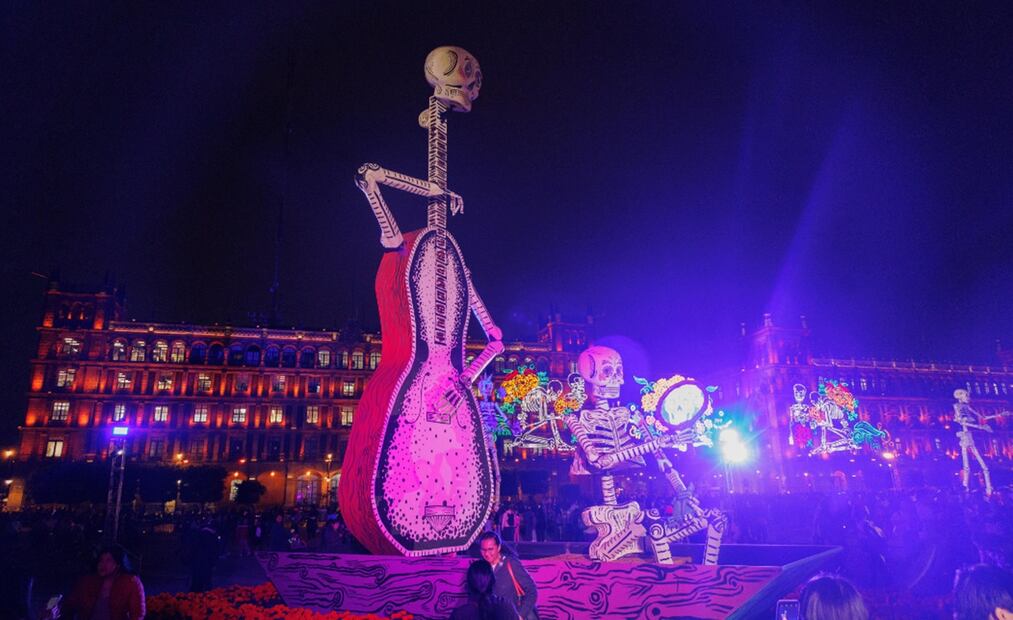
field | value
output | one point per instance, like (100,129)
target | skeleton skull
(602,367)
(455,77)
(962,396)
(800,392)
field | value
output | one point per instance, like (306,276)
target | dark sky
(677,167)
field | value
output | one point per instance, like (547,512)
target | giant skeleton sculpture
(418,476)
(606,446)
(970,420)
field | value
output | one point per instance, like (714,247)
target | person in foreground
(482,603)
(983,592)
(513,583)
(829,597)
(113,593)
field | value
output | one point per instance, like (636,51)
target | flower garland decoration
(650,395)
(839,394)
(518,384)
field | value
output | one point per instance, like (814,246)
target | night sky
(677,168)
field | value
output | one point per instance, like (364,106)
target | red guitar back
(416,478)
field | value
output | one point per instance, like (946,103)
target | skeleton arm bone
(492,332)
(369,178)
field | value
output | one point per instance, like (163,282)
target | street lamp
(117,466)
(327,479)
(179,487)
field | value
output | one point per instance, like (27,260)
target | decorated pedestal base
(432,587)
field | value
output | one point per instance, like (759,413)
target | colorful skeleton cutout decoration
(611,439)
(535,407)
(829,421)
(970,420)
(418,476)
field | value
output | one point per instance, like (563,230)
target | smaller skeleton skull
(800,392)
(455,77)
(962,396)
(602,367)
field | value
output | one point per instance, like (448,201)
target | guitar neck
(437,127)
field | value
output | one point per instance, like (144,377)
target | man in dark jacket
(513,583)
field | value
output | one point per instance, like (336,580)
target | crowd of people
(893,541)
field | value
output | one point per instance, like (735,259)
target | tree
(249,492)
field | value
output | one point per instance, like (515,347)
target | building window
(252,356)
(374,360)
(243,382)
(307,491)
(65,377)
(161,351)
(54,448)
(197,450)
(347,414)
(123,381)
(164,382)
(343,360)
(313,414)
(236,355)
(357,360)
(348,388)
(499,365)
(306,358)
(178,353)
(198,353)
(119,412)
(271,357)
(239,415)
(216,355)
(324,358)
(156,448)
(161,413)
(119,352)
(288,357)
(203,382)
(200,414)
(278,383)
(276,415)
(313,385)
(61,411)
(71,348)
(138,351)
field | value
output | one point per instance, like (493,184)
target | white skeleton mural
(970,420)
(605,446)
(832,414)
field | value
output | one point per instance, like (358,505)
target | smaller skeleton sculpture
(539,411)
(606,446)
(832,413)
(968,418)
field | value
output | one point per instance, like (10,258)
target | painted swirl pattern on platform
(433,587)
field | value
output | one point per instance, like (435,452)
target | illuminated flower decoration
(519,383)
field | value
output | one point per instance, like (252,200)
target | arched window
(177,354)
(118,352)
(542,365)
(307,357)
(139,351)
(513,362)
(272,357)
(253,355)
(236,355)
(358,360)
(216,354)
(324,358)
(198,353)
(500,365)
(374,359)
(288,357)
(342,360)
(160,352)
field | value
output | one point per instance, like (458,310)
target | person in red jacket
(111,594)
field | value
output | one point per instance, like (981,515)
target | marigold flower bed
(241,603)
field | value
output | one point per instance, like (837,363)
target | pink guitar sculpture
(417,477)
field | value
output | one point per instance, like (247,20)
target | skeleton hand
(456,202)
(608,461)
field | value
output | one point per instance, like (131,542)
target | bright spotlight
(729,435)
(889,455)
(734,452)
